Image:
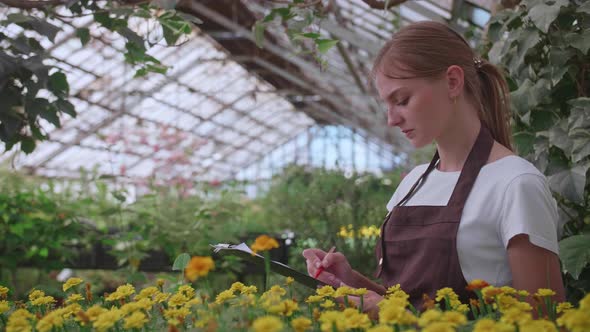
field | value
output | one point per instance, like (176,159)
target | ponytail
(495,103)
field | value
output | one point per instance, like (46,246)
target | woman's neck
(457,139)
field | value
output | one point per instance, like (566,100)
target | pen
(321,268)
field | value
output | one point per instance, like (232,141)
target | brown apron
(420,242)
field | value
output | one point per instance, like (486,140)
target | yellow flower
(328,304)
(43,300)
(575,320)
(380,328)
(263,243)
(394,312)
(542,292)
(301,324)
(53,319)
(19,321)
(515,315)
(359,291)
(35,294)
(541,325)
(284,308)
(199,266)
(249,290)
(4,306)
(428,317)
(564,306)
(95,311)
(439,327)
(107,319)
(187,290)
(147,292)
(355,319)
(453,317)
(237,287)
(325,291)
(160,283)
(176,313)
(585,302)
(177,300)
(332,321)
(75,297)
(3,291)
(224,296)
(130,307)
(278,290)
(507,290)
(343,291)
(161,297)
(289,281)
(71,283)
(267,324)
(446,292)
(476,284)
(523,293)
(122,292)
(314,299)
(135,321)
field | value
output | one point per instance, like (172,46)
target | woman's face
(421,108)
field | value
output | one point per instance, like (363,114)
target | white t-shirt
(509,197)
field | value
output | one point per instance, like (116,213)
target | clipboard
(242,250)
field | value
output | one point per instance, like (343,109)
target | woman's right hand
(336,271)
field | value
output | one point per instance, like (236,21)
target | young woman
(477,211)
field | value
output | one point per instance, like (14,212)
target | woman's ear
(455,80)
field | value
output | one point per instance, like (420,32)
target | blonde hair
(426,49)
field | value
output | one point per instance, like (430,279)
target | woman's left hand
(370,300)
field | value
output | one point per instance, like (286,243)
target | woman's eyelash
(403,102)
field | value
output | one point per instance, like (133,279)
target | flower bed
(245,308)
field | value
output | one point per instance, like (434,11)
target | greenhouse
(267,165)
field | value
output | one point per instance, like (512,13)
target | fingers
(313,253)
(333,258)
(329,279)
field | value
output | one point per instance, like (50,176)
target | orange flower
(263,243)
(476,284)
(199,266)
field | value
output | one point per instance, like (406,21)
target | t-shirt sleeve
(529,208)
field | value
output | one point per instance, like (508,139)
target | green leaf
(570,183)
(141,72)
(529,95)
(50,114)
(527,39)
(559,136)
(160,69)
(258,32)
(585,8)
(324,45)
(44,252)
(18,18)
(581,41)
(542,15)
(65,106)
(574,253)
(27,145)
(190,18)
(58,85)
(181,262)
(131,36)
(84,35)
(524,142)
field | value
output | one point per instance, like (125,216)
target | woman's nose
(393,118)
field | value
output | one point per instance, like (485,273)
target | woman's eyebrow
(393,95)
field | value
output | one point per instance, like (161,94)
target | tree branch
(31,4)
(377,4)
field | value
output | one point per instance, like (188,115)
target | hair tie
(477,62)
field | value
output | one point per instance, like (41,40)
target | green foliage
(316,204)
(543,45)
(302,21)
(25,78)
(35,229)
